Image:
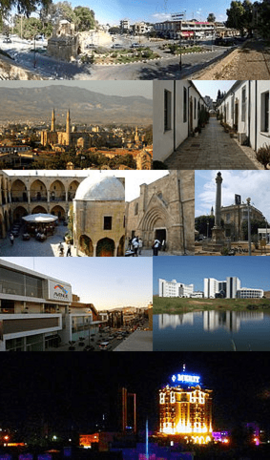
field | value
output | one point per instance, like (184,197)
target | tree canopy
(23,6)
(211,17)
(240,16)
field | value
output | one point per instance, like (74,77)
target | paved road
(213,149)
(165,68)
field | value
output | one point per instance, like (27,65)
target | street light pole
(249,230)
(180,62)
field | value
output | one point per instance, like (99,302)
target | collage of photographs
(134,218)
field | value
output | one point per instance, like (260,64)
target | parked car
(90,46)
(7,40)
(136,45)
(117,46)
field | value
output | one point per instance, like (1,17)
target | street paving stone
(34,248)
(138,341)
(213,149)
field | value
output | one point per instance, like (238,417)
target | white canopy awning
(40,218)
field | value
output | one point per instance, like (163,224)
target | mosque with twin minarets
(65,138)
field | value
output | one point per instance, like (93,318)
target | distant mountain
(18,104)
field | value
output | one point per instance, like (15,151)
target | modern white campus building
(246,107)
(249,293)
(231,289)
(174,289)
(177,106)
(37,312)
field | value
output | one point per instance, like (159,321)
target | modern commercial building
(177,105)
(185,29)
(185,408)
(246,108)
(248,293)
(212,287)
(233,284)
(37,312)
(231,289)
(174,289)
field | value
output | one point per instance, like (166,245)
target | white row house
(246,108)
(177,105)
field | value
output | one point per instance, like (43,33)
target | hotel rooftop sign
(185,378)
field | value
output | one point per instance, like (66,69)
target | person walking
(61,249)
(11,239)
(156,247)
(68,250)
(135,243)
(140,246)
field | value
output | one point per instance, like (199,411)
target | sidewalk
(138,341)
(250,62)
(212,149)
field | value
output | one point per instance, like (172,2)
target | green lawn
(176,305)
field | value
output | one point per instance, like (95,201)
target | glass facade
(20,284)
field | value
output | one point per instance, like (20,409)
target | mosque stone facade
(164,210)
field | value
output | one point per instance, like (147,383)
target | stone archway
(154,220)
(18,213)
(6,221)
(121,247)
(105,248)
(19,191)
(39,209)
(2,227)
(59,212)
(38,191)
(86,245)
(72,189)
(57,191)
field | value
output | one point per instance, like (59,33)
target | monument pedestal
(217,241)
(218,236)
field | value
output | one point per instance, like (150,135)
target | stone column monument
(217,232)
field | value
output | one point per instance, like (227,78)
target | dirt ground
(250,62)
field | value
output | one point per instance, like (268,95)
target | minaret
(136,136)
(53,121)
(68,128)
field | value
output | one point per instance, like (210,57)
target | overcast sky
(248,184)
(115,88)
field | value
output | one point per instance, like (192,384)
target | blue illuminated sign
(184,378)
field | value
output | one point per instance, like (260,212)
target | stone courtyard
(34,248)
(212,149)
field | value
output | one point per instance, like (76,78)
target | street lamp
(249,231)
(207,228)
(180,62)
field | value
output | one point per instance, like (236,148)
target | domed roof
(100,188)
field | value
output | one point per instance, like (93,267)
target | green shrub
(263,155)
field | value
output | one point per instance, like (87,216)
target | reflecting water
(212,331)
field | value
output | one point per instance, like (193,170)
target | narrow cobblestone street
(212,149)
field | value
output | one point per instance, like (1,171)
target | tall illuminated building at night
(185,408)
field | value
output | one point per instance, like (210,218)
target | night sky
(74,390)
